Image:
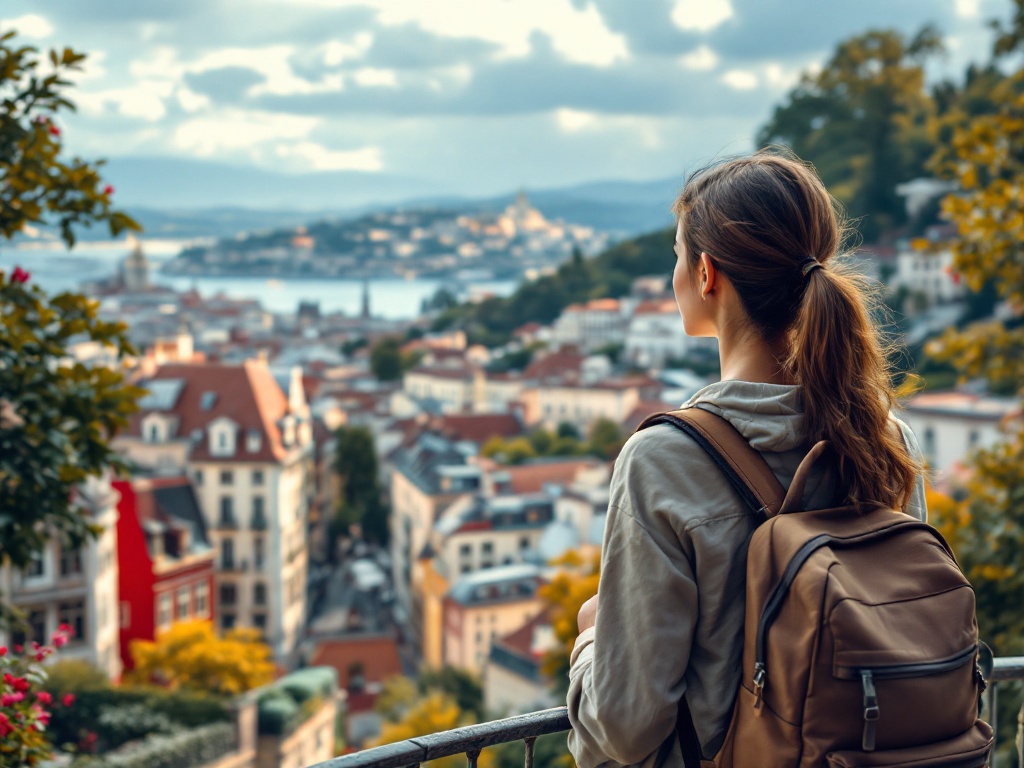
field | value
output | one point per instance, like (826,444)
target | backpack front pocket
(968,750)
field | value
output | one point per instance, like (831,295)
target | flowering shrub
(24,707)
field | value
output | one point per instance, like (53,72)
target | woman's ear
(708,274)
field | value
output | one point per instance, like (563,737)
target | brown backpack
(860,640)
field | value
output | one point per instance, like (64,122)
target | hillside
(608,275)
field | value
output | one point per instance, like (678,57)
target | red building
(164,557)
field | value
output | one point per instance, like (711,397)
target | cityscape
(244,531)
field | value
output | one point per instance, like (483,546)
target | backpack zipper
(868,675)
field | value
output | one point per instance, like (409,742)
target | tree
(355,463)
(464,688)
(189,655)
(574,584)
(863,122)
(434,713)
(386,359)
(605,439)
(56,416)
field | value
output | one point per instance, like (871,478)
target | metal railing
(471,739)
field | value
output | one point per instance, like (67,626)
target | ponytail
(768,223)
(847,390)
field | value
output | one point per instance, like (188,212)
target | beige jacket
(670,614)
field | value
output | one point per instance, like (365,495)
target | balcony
(471,739)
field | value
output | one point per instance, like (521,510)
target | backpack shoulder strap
(745,468)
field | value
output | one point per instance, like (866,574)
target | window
(36,619)
(37,567)
(207,400)
(72,613)
(258,553)
(184,602)
(126,614)
(487,548)
(465,550)
(163,611)
(972,439)
(259,620)
(70,562)
(253,441)
(154,433)
(524,543)
(257,477)
(198,477)
(227,554)
(259,593)
(259,515)
(227,477)
(227,512)
(228,594)
(202,599)
(227,621)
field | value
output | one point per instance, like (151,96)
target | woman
(800,362)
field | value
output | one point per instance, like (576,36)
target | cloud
(235,130)
(145,100)
(966,8)
(740,79)
(370,77)
(701,15)
(700,59)
(573,120)
(31,25)
(314,157)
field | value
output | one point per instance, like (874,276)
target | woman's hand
(587,614)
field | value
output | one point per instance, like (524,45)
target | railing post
(1020,736)
(473,754)
(529,742)
(993,718)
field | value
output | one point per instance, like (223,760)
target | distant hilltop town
(515,243)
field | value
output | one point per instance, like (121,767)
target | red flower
(66,629)
(108,190)
(20,684)
(5,725)
(44,698)
(3,650)
(54,130)
(68,700)
(17,648)
(19,275)
(10,699)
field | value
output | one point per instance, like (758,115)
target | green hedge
(69,725)
(184,749)
(293,698)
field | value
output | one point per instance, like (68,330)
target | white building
(655,336)
(951,425)
(929,275)
(248,449)
(592,325)
(74,587)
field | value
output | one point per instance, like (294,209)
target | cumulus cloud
(740,79)
(700,59)
(31,25)
(235,130)
(315,157)
(701,15)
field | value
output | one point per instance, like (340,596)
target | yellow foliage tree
(574,584)
(434,713)
(190,655)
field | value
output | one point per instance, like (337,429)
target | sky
(476,96)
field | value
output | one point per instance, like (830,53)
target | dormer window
(208,400)
(223,435)
(154,428)
(253,441)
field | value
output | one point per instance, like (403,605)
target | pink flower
(43,697)
(19,275)
(10,699)
(66,629)
(60,639)
(108,190)
(68,700)
(18,648)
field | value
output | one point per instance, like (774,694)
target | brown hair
(759,219)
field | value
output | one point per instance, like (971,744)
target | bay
(56,269)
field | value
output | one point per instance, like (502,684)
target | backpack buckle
(870,710)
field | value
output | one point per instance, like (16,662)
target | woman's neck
(745,356)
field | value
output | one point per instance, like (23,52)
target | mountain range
(174,197)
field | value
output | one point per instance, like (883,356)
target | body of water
(56,269)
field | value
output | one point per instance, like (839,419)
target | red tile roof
(531,478)
(247,394)
(657,307)
(478,427)
(566,361)
(520,641)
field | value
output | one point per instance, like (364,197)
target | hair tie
(808,265)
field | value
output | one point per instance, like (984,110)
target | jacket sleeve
(626,674)
(916,505)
